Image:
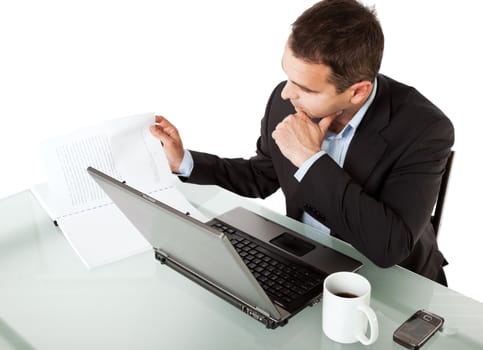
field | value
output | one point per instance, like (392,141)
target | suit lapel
(368,145)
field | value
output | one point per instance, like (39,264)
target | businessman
(357,154)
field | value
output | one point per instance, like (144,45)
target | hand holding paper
(125,149)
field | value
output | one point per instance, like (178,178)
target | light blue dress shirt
(334,145)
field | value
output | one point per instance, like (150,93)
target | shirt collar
(357,118)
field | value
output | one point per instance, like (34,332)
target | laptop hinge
(161,256)
(253,311)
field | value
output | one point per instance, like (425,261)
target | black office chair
(438,212)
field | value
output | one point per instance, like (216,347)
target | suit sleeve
(384,227)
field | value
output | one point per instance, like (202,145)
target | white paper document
(124,149)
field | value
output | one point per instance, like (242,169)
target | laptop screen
(190,243)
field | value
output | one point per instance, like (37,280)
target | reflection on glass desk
(49,300)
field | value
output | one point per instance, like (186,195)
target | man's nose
(289,92)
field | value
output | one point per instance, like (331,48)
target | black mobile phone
(416,330)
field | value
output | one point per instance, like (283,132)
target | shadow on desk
(178,293)
(9,339)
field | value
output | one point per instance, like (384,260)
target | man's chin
(297,108)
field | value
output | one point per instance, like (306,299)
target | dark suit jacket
(382,199)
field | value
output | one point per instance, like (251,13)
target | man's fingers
(162,120)
(325,122)
(163,125)
(158,132)
(301,114)
(169,137)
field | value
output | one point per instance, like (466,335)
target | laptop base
(250,311)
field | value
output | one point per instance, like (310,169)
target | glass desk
(49,300)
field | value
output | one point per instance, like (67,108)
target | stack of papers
(124,149)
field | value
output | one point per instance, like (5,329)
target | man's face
(308,88)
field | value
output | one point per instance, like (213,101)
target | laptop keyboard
(289,283)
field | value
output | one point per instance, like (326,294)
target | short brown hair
(342,34)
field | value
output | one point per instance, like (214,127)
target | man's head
(342,34)
(334,47)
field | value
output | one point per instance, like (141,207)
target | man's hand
(299,138)
(166,132)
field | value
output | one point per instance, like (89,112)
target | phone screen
(416,329)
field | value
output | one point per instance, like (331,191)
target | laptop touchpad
(292,244)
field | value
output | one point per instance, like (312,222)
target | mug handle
(373,325)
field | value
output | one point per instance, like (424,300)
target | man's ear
(360,91)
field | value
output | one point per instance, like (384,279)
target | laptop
(264,269)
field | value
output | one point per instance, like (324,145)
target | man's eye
(307,91)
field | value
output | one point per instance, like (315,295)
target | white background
(210,66)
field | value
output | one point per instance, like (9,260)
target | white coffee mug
(346,311)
